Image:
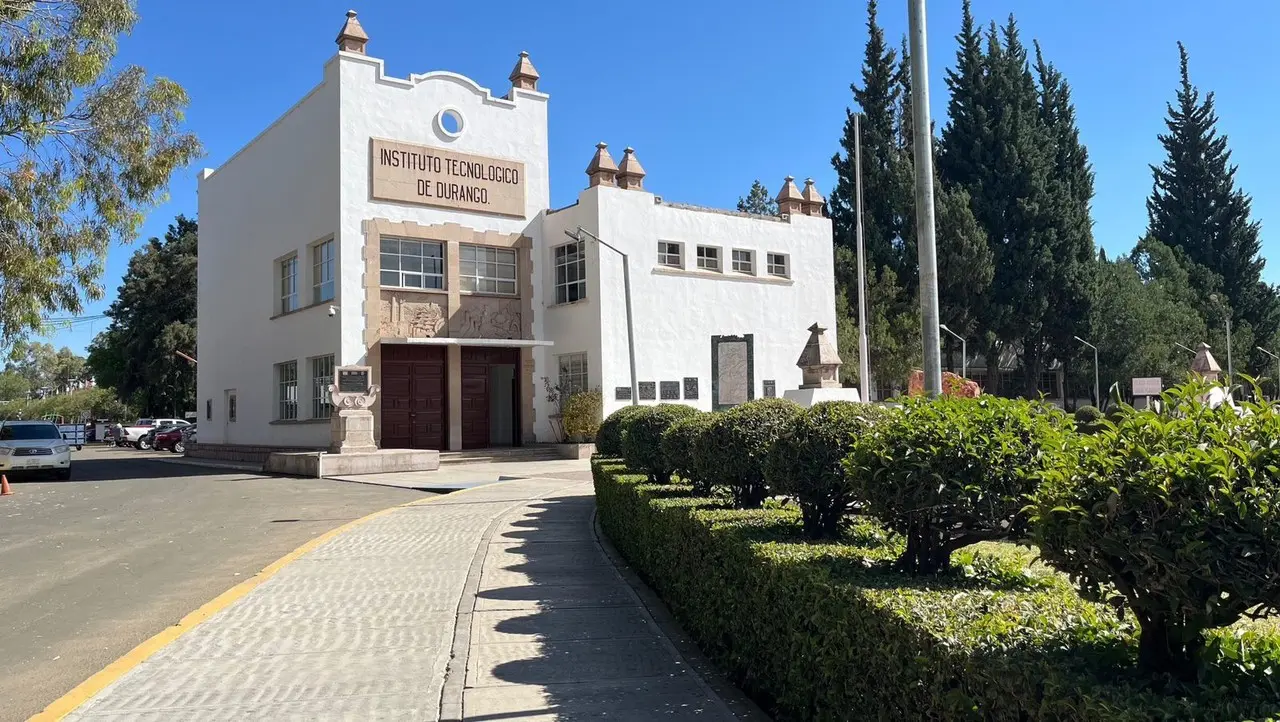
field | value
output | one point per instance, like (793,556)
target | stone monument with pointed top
(820,372)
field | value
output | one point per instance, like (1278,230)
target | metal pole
(1276,396)
(864,362)
(1097,388)
(1230,368)
(923,139)
(626,291)
(964,350)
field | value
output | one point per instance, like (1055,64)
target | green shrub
(1174,514)
(642,440)
(823,633)
(609,435)
(949,472)
(805,462)
(679,446)
(736,445)
(581,416)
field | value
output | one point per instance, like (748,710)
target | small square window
(708,258)
(484,269)
(778,265)
(670,254)
(744,262)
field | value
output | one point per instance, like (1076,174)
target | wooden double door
(415,408)
(490,397)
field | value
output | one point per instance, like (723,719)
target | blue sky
(714,94)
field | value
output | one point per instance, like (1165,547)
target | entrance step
(500,455)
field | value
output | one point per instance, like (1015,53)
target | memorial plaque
(622,393)
(669,390)
(731,363)
(1149,386)
(648,390)
(353,381)
(691,388)
(422,175)
(770,389)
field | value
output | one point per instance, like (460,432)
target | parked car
(34,446)
(134,432)
(170,438)
(148,440)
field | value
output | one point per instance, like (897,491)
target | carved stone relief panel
(404,314)
(487,317)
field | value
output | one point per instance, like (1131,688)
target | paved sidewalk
(491,604)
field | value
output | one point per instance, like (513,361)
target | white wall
(278,194)
(676,316)
(374,105)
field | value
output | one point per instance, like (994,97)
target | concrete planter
(575,451)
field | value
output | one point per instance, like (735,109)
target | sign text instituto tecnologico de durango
(423,175)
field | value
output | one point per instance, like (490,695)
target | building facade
(405,224)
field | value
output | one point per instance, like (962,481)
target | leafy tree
(89,148)
(13,386)
(758,201)
(36,362)
(152,318)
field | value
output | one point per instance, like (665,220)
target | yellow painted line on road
(83,692)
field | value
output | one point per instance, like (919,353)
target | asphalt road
(92,567)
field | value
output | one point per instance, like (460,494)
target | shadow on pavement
(118,464)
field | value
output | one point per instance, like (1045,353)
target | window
(571,272)
(321,377)
(412,264)
(287,390)
(778,265)
(708,258)
(573,374)
(322,272)
(669,254)
(487,270)
(231,406)
(208,409)
(289,284)
(744,262)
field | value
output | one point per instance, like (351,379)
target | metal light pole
(1188,349)
(864,362)
(964,354)
(1277,358)
(922,133)
(1230,368)
(1097,392)
(626,291)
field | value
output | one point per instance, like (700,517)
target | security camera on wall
(333,310)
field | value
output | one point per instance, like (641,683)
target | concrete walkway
(497,603)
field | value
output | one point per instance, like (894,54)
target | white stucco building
(405,224)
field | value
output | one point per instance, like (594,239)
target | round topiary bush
(609,435)
(949,472)
(805,462)
(581,416)
(1088,419)
(680,444)
(733,450)
(1172,514)
(642,440)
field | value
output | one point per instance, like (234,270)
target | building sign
(353,381)
(428,176)
(1146,386)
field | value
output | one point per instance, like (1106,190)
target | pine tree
(758,201)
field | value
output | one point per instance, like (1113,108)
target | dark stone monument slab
(669,390)
(648,390)
(691,388)
(622,393)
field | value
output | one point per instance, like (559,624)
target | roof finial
(789,199)
(352,38)
(811,200)
(602,170)
(630,173)
(524,76)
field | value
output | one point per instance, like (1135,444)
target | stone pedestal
(351,432)
(809,397)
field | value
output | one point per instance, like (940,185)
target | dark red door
(476,392)
(413,397)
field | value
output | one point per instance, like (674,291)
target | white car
(34,446)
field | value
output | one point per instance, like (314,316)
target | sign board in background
(422,175)
(353,381)
(1149,386)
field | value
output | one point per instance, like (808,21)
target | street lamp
(964,354)
(1097,394)
(1185,348)
(626,290)
(1277,358)
(922,132)
(1230,370)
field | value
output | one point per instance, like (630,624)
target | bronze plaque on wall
(422,175)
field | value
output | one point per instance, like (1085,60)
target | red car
(171,439)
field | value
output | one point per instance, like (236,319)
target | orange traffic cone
(4,486)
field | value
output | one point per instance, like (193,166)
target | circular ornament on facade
(450,123)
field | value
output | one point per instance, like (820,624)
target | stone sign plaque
(770,389)
(353,381)
(732,370)
(622,393)
(648,390)
(691,387)
(422,175)
(669,390)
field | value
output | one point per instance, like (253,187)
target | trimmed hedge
(642,438)
(680,444)
(734,448)
(823,632)
(609,436)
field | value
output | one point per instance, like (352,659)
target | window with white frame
(289,284)
(411,264)
(709,258)
(778,265)
(670,254)
(321,377)
(744,261)
(287,390)
(482,269)
(322,281)
(573,374)
(571,272)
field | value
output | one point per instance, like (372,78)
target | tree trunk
(1165,649)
